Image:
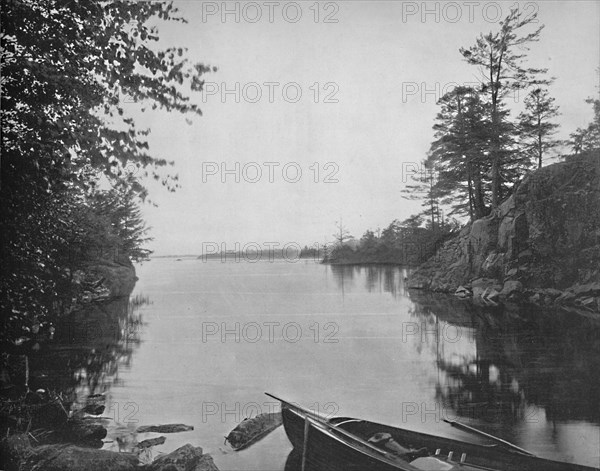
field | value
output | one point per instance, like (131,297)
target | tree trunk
(540,142)
(470,186)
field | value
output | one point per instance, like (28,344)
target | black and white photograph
(311,235)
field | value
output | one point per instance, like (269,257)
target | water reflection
(492,364)
(378,278)
(497,373)
(90,346)
(500,366)
(529,375)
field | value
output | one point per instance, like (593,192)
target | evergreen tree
(588,139)
(460,152)
(423,187)
(535,125)
(499,57)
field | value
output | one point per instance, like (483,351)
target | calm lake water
(209,338)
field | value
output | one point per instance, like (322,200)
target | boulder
(481,287)
(511,289)
(95,404)
(185,458)
(74,458)
(85,430)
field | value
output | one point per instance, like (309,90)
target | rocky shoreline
(20,455)
(541,246)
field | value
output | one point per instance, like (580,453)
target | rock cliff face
(542,242)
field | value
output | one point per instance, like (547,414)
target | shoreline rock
(19,455)
(185,458)
(541,246)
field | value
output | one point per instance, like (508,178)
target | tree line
(480,150)
(72,157)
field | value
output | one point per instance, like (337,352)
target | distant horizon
(249,247)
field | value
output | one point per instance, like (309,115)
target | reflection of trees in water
(343,276)
(373,278)
(546,359)
(89,347)
(472,392)
(344,273)
(378,278)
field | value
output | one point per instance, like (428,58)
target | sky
(320,111)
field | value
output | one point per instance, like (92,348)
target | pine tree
(460,150)
(588,139)
(423,187)
(535,125)
(502,72)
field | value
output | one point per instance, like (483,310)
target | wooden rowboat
(344,443)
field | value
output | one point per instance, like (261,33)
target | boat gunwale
(504,452)
(367,449)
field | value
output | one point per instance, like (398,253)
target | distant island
(268,254)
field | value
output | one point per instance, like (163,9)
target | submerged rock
(166,428)
(150,442)
(252,430)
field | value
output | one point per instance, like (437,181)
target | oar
(487,435)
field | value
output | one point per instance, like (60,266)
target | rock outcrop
(118,278)
(543,241)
